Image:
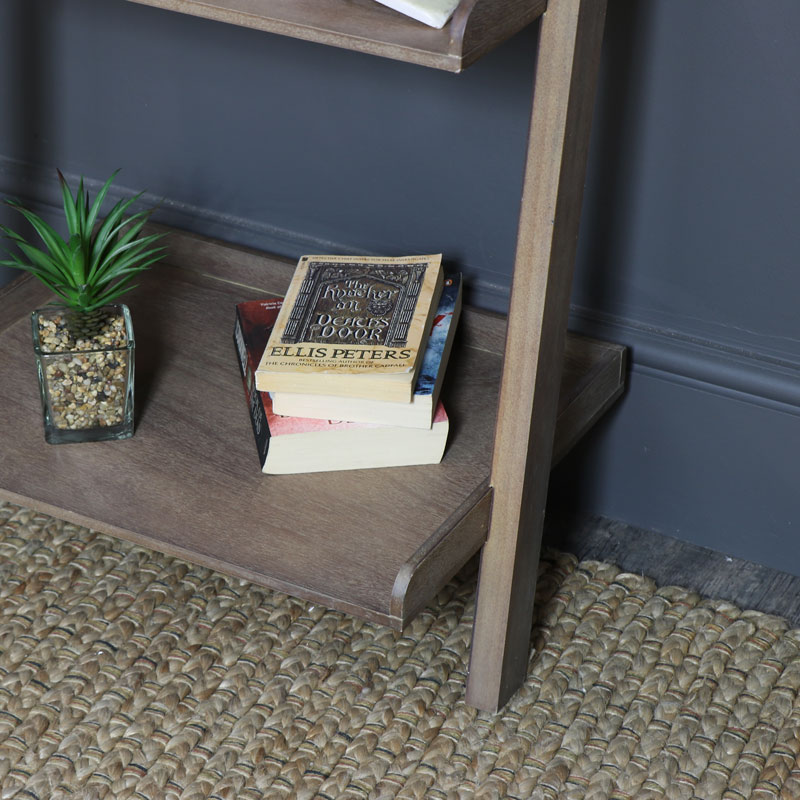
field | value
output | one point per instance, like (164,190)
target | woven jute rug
(128,674)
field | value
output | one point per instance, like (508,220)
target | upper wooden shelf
(377,543)
(476,27)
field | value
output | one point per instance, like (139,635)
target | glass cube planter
(85,363)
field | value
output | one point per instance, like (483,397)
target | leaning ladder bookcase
(377,543)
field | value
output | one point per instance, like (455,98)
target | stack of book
(345,372)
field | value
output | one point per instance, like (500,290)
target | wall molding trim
(746,375)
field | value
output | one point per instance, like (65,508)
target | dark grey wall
(689,254)
(687,251)
(268,141)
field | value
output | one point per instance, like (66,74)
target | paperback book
(289,445)
(353,326)
(416,414)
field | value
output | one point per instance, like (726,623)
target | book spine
(255,402)
(437,351)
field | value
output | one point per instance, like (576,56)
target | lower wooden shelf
(375,543)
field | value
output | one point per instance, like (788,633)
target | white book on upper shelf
(432,12)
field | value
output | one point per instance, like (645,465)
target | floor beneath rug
(671,561)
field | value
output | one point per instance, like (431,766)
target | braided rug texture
(128,674)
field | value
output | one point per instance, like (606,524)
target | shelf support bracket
(570,38)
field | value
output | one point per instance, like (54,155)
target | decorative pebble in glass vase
(83,343)
(85,363)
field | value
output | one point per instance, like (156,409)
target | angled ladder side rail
(566,74)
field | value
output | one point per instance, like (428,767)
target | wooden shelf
(376,543)
(476,27)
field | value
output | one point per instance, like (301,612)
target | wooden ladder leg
(566,74)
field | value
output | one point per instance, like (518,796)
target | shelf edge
(443,554)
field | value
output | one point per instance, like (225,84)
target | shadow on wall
(24,82)
(608,203)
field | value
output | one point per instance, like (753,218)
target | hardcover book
(416,414)
(288,445)
(353,326)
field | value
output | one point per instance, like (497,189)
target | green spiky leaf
(97,262)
